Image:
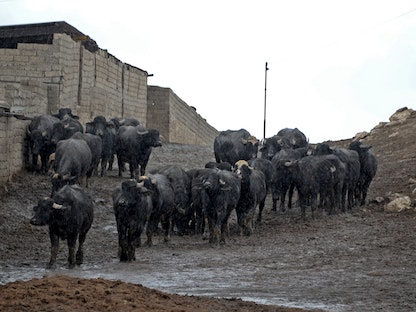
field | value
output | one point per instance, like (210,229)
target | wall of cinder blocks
(39,79)
(177,121)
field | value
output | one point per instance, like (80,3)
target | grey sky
(336,67)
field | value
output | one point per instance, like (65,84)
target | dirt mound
(63,293)
(358,261)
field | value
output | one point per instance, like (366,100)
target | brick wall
(39,79)
(177,121)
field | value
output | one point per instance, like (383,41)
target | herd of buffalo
(244,173)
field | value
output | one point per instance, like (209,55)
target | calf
(69,215)
(132,204)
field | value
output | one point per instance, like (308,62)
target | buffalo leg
(54,250)
(166,225)
(80,253)
(72,241)
(261,207)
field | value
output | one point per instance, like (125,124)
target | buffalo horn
(142,132)
(56,206)
(140,184)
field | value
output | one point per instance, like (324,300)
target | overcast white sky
(335,67)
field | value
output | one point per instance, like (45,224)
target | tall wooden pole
(265,98)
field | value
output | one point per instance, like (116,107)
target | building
(47,66)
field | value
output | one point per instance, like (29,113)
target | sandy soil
(357,261)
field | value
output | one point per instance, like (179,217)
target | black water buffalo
(95,144)
(368,169)
(352,171)
(282,181)
(65,128)
(199,198)
(265,166)
(106,131)
(253,195)
(215,193)
(127,121)
(132,204)
(64,113)
(69,215)
(285,138)
(72,163)
(134,145)
(183,218)
(39,134)
(233,145)
(222,165)
(312,176)
(163,204)
(336,198)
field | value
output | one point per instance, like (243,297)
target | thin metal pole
(265,98)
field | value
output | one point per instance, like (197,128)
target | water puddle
(208,282)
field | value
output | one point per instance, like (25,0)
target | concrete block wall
(39,79)
(182,123)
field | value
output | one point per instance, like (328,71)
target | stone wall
(177,121)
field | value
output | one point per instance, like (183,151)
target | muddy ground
(363,260)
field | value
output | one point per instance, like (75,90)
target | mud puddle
(177,276)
